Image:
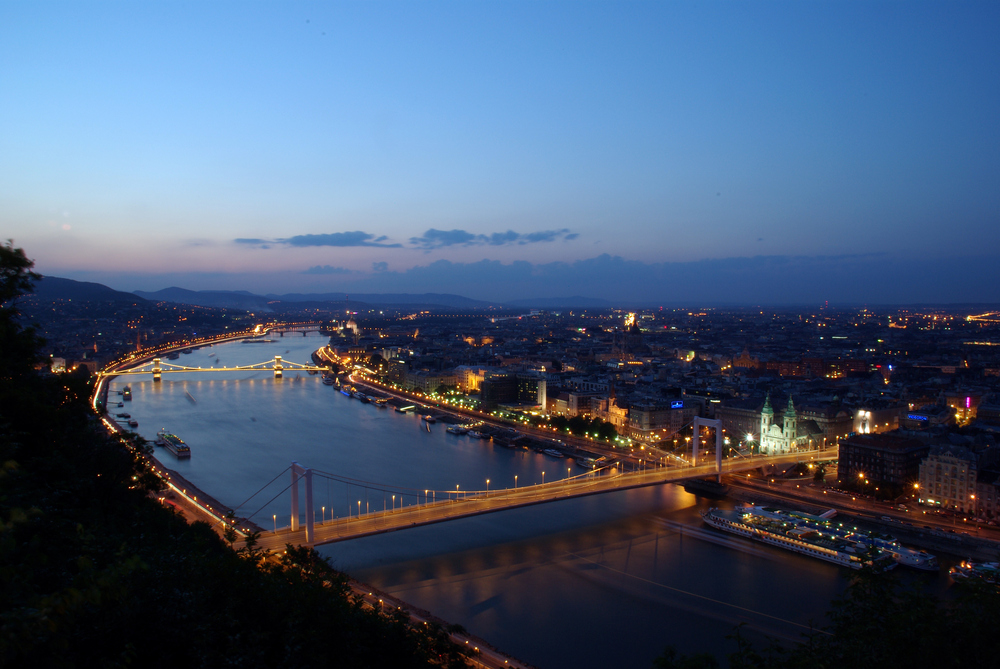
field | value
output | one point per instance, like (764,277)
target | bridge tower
(299,472)
(277,367)
(695,443)
(156,369)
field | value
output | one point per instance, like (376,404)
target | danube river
(601,581)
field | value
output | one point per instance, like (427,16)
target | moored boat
(792,531)
(456,429)
(985,571)
(551,452)
(174,444)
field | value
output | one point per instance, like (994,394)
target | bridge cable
(280,492)
(261,489)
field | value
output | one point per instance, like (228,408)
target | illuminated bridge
(359,515)
(157,368)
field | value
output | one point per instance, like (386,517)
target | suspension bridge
(157,367)
(359,514)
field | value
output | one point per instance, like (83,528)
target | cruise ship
(798,532)
(174,444)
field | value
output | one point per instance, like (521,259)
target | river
(600,581)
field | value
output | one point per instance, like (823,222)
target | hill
(56,288)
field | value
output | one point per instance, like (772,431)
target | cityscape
(886,416)
(542,335)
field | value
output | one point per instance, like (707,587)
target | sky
(675,152)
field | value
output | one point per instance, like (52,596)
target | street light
(487,487)
(543,478)
(275,519)
(515,481)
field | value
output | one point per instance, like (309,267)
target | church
(780,438)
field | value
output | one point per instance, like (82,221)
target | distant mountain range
(51,287)
(220,299)
(55,288)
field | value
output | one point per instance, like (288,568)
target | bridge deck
(369,524)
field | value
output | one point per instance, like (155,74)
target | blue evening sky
(712,151)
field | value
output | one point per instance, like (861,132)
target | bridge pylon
(298,472)
(277,367)
(156,369)
(696,442)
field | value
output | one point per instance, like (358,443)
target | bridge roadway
(476,503)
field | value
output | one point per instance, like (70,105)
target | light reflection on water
(600,581)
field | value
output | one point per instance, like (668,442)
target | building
(653,422)
(886,458)
(948,478)
(778,438)
(526,389)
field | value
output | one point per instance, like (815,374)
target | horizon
(697,153)
(552,302)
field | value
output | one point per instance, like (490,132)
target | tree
(18,345)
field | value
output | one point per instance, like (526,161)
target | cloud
(437,239)
(339,239)
(380,266)
(356,238)
(327,269)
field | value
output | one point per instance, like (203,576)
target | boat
(800,533)
(328,381)
(429,418)
(456,429)
(984,571)
(476,434)
(123,415)
(586,463)
(127,393)
(120,405)
(346,391)
(174,444)
(380,401)
(133,423)
(405,409)
(364,398)
(187,351)
(551,452)
(907,557)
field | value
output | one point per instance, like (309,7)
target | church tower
(766,420)
(791,422)
(766,415)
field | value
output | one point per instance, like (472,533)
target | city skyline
(716,153)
